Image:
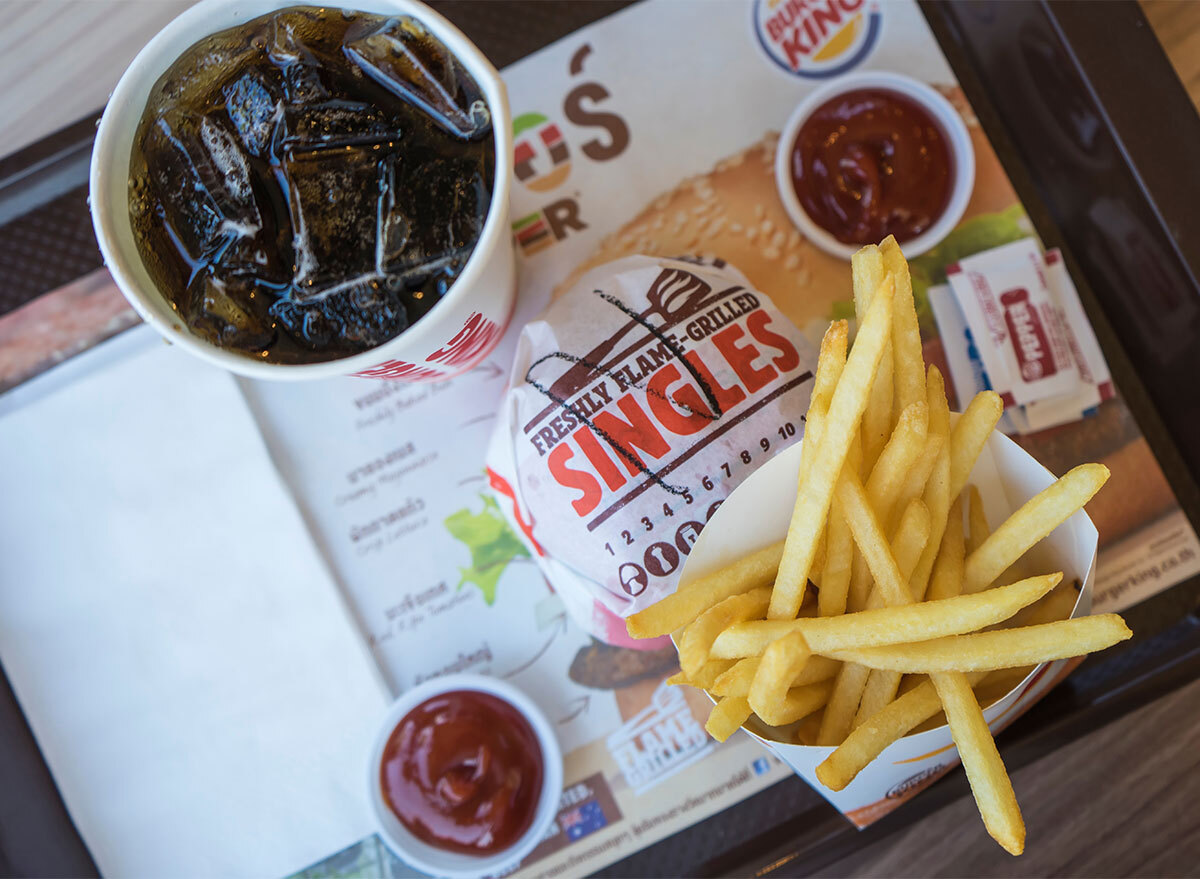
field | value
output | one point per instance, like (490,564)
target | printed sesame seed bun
(734,212)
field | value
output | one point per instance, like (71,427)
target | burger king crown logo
(816,39)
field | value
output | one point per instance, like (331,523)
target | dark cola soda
(306,186)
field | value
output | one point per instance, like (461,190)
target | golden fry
(907,359)
(1058,605)
(695,597)
(1001,648)
(897,459)
(908,546)
(948,569)
(935,488)
(978,529)
(800,702)
(969,436)
(868,537)
(985,770)
(867,272)
(697,638)
(875,733)
(887,625)
(843,703)
(727,717)
(814,496)
(1036,518)
(705,677)
(736,681)
(830,363)
(839,556)
(781,661)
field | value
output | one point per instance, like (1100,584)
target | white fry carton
(757,514)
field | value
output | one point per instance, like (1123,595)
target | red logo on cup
(474,340)
(403,371)
(1028,336)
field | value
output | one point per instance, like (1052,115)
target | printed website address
(1133,586)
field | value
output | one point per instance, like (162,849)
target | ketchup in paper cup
(871,155)
(465,777)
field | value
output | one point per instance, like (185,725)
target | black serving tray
(1097,135)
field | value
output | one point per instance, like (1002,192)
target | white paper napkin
(182,654)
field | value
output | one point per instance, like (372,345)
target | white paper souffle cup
(958,140)
(454,865)
(455,335)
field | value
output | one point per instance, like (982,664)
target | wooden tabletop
(1118,802)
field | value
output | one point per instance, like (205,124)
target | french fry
(936,488)
(806,729)
(736,681)
(985,770)
(839,555)
(867,271)
(908,362)
(704,678)
(843,703)
(695,597)
(897,460)
(1057,605)
(969,435)
(697,638)
(873,735)
(877,420)
(908,545)
(868,537)
(727,717)
(799,702)
(860,583)
(842,423)
(978,529)
(781,661)
(948,569)
(885,626)
(1036,518)
(884,486)
(1002,648)
(830,362)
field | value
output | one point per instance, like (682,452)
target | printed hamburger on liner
(637,402)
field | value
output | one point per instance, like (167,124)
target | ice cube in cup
(319,208)
(401,57)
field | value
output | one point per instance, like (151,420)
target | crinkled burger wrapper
(637,402)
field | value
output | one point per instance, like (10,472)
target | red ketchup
(463,771)
(872,163)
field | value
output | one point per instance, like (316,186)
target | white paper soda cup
(456,334)
(757,513)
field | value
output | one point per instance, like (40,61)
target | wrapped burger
(637,402)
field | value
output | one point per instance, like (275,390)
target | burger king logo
(540,156)
(817,39)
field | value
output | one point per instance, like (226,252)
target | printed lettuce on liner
(637,402)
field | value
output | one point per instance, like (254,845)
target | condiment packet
(968,375)
(1095,380)
(637,402)
(1015,322)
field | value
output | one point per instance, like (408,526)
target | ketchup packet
(968,375)
(637,402)
(1016,323)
